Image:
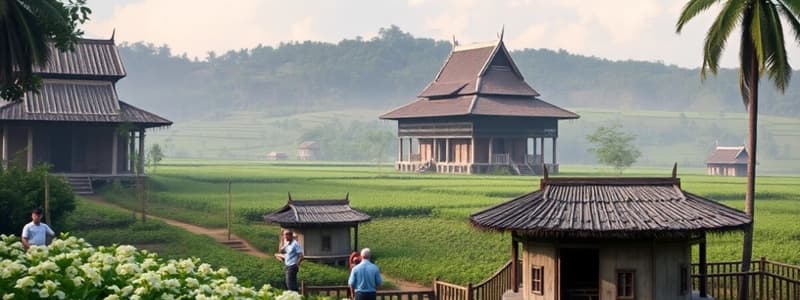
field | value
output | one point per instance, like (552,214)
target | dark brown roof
(610,208)
(728,155)
(15,111)
(489,105)
(72,97)
(479,79)
(91,58)
(298,213)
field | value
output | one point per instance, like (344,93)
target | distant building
(77,123)
(728,161)
(478,115)
(322,227)
(277,156)
(308,150)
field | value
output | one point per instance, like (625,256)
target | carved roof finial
(455,42)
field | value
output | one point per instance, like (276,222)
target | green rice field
(420,227)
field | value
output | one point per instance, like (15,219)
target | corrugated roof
(73,97)
(610,208)
(127,114)
(316,212)
(728,155)
(91,58)
(486,70)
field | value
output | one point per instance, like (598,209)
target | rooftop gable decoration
(309,213)
(479,79)
(610,208)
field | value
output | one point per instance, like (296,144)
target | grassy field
(420,227)
(685,137)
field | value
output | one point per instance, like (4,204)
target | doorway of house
(61,149)
(580,271)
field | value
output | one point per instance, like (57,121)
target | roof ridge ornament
(545,177)
(290,197)
(675,170)
(502,31)
(455,42)
(113,33)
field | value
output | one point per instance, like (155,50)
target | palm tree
(762,50)
(26,28)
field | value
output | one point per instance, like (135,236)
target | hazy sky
(613,29)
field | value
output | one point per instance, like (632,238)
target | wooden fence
(767,280)
(489,289)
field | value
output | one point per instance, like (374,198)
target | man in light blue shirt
(365,277)
(36,232)
(293,255)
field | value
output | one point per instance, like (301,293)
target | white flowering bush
(70,268)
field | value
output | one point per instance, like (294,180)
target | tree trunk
(749,203)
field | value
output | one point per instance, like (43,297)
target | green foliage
(27,26)
(154,157)
(22,191)
(353,141)
(614,147)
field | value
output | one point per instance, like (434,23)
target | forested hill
(391,69)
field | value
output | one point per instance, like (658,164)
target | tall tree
(26,28)
(614,147)
(762,50)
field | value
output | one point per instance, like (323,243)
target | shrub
(22,191)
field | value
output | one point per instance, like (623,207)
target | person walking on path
(36,232)
(365,278)
(293,255)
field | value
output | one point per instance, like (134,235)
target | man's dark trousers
(291,278)
(365,295)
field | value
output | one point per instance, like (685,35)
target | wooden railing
(767,280)
(500,158)
(343,291)
(495,286)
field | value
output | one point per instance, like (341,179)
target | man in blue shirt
(293,255)
(365,277)
(36,232)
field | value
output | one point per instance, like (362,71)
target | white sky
(613,29)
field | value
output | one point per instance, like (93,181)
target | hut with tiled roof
(477,115)
(727,161)
(323,227)
(77,122)
(609,238)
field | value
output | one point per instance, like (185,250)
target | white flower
(8,296)
(60,295)
(44,293)
(111,297)
(25,282)
(77,281)
(289,295)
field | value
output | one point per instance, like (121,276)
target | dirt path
(221,236)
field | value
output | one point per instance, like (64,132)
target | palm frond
(791,15)
(718,34)
(747,58)
(775,63)
(692,9)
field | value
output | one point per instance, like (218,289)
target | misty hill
(391,69)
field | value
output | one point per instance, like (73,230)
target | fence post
(435,289)
(762,269)
(303,288)
(703,269)
(469,291)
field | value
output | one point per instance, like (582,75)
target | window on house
(326,243)
(537,280)
(626,284)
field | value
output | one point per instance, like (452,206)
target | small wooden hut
(727,161)
(609,238)
(323,227)
(308,150)
(277,156)
(478,115)
(76,122)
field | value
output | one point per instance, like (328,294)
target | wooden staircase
(237,245)
(81,185)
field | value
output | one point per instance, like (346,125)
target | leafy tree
(762,50)
(26,28)
(22,191)
(613,147)
(154,156)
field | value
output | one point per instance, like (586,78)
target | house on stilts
(476,116)
(76,123)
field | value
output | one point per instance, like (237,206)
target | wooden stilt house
(323,228)
(609,238)
(77,123)
(727,161)
(476,116)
